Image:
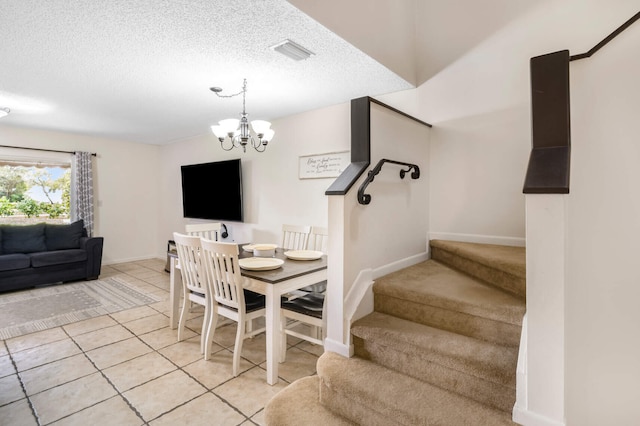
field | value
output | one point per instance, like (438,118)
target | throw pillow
(63,237)
(23,238)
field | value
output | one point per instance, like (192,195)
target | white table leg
(175,290)
(272,334)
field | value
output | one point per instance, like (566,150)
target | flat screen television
(213,190)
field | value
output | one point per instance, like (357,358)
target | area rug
(42,308)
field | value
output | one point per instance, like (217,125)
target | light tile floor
(127,368)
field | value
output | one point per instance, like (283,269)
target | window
(33,192)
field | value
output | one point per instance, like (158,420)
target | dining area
(262,287)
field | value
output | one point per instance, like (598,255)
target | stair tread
(299,404)
(401,399)
(509,259)
(433,283)
(468,355)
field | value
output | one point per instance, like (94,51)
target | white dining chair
(194,282)
(318,239)
(210,230)
(307,305)
(232,301)
(308,309)
(295,237)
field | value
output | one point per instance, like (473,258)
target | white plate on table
(251,247)
(260,263)
(303,254)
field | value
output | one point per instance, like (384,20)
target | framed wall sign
(329,165)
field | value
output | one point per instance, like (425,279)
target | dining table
(275,283)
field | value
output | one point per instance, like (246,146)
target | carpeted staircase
(440,348)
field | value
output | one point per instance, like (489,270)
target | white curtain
(82,188)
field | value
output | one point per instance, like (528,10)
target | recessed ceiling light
(4,112)
(292,50)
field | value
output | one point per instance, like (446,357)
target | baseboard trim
(529,418)
(521,369)
(359,289)
(400,264)
(481,239)
(130,259)
(340,348)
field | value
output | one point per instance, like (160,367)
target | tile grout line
(92,363)
(155,307)
(178,368)
(24,389)
(181,368)
(28,397)
(211,390)
(208,390)
(108,381)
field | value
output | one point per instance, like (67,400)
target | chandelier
(237,132)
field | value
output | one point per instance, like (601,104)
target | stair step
(433,294)
(501,266)
(479,370)
(299,404)
(369,394)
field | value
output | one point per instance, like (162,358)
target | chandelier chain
(242,92)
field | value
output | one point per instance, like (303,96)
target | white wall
(480,140)
(603,284)
(479,107)
(385,233)
(273,194)
(126,177)
(394,225)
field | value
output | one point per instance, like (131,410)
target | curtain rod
(46,150)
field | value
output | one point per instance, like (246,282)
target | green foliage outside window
(29,207)
(13,184)
(6,207)
(17,181)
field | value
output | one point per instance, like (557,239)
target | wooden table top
(290,268)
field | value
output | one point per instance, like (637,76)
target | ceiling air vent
(292,50)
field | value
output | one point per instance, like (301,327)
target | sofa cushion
(23,238)
(61,237)
(11,262)
(57,257)
(0,239)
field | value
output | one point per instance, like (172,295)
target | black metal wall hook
(366,198)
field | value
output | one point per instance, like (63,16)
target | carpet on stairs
(434,294)
(440,348)
(370,394)
(299,405)
(478,370)
(501,266)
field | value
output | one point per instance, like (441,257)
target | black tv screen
(213,190)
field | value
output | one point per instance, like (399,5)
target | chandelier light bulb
(260,126)
(219,132)
(268,135)
(230,125)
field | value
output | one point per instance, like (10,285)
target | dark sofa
(43,253)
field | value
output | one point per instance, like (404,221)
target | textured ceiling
(140,70)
